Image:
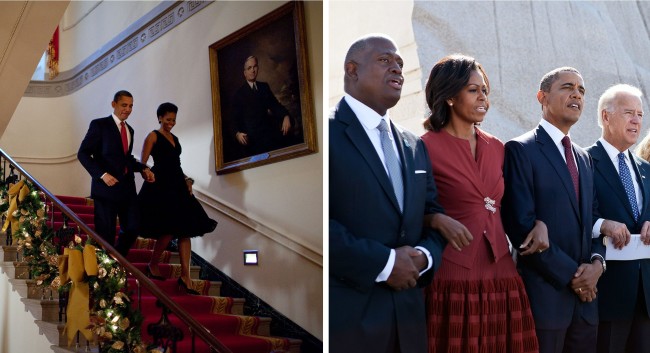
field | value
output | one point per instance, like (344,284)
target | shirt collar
(612,151)
(367,117)
(117,120)
(555,133)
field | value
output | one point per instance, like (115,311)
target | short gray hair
(606,100)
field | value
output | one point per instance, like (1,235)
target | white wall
(18,332)
(275,208)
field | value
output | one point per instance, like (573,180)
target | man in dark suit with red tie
(105,152)
(380,188)
(549,178)
(623,190)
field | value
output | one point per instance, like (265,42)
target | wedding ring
(540,251)
(580,290)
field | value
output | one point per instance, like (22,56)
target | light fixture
(250,257)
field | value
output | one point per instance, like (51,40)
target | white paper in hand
(634,250)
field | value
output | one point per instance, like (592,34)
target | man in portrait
(259,121)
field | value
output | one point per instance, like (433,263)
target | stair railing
(168,305)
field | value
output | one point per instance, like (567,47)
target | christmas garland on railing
(113,321)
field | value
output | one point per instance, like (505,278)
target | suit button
(402,234)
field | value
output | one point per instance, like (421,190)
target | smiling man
(623,194)
(106,153)
(549,178)
(381,187)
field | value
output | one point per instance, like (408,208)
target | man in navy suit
(380,253)
(623,192)
(105,152)
(257,114)
(549,178)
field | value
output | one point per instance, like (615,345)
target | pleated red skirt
(480,310)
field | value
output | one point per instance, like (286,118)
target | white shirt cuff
(429,259)
(385,273)
(595,232)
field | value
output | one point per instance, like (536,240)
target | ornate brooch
(489,204)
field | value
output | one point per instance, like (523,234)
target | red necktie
(571,164)
(125,140)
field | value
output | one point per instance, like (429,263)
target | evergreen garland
(114,322)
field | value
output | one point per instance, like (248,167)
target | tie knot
(566,142)
(383,126)
(621,157)
(122,124)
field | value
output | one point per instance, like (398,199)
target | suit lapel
(584,170)
(552,154)
(358,137)
(130,133)
(605,167)
(645,190)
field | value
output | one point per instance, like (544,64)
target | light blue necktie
(624,173)
(392,163)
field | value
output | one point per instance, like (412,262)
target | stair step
(170,286)
(35,291)
(172,271)
(75,200)
(45,310)
(9,253)
(58,217)
(53,330)
(27,288)
(15,270)
(3,238)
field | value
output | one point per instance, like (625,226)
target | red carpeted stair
(220,315)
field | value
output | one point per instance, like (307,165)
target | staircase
(222,316)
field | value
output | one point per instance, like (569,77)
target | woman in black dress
(168,207)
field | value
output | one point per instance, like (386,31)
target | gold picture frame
(277,41)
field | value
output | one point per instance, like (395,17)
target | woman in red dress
(477,302)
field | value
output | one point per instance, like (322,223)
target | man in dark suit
(381,187)
(623,192)
(256,111)
(551,179)
(105,152)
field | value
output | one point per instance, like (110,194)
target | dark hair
(447,78)
(550,77)
(121,93)
(166,108)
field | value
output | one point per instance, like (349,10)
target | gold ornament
(118,345)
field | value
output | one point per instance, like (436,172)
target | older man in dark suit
(260,120)
(549,178)
(381,187)
(623,193)
(105,152)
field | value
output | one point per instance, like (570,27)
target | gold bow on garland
(73,265)
(16,194)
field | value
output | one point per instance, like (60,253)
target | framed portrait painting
(261,98)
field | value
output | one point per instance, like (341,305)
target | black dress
(166,206)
